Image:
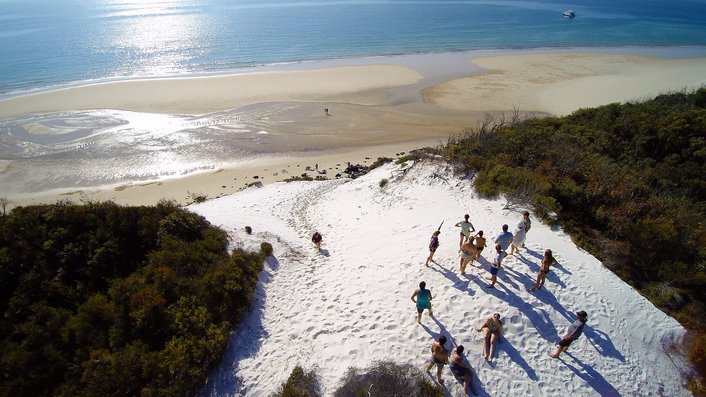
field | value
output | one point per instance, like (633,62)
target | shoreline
(380,108)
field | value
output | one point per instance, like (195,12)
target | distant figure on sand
(326,113)
(439,357)
(528,224)
(466,229)
(504,238)
(492,330)
(462,371)
(575,330)
(497,263)
(518,239)
(468,254)
(316,239)
(433,245)
(547,262)
(422,297)
(480,243)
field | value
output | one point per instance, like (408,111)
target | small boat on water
(569,14)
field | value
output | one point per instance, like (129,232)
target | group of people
(470,248)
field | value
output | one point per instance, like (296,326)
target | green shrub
(626,181)
(266,248)
(383,182)
(100,299)
(386,378)
(300,384)
(380,161)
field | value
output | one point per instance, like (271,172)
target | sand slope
(351,304)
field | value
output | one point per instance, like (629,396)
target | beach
(378,107)
(348,305)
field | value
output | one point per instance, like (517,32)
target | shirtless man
(439,357)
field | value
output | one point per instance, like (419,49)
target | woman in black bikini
(547,261)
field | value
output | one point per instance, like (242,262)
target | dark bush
(386,378)
(300,384)
(101,299)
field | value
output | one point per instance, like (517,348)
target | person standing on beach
(495,266)
(466,229)
(547,262)
(433,245)
(480,243)
(461,370)
(504,238)
(439,357)
(528,224)
(316,239)
(575,330)
(468,254)
(422,297)
(518,239)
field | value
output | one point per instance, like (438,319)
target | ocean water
(45,44)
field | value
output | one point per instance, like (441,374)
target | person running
(575,330)
(422,297)
(495,266)
(433,245)
(462,370)
(547,262)
(439,357)
(480,243)
(504,238)
(518,239)
(492,330)
(468,254)
(316,239)
(466,229)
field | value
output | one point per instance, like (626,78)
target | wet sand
(374,110)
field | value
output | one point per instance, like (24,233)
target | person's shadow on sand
(591,376)
(602,343)
(456,281)
(515,356)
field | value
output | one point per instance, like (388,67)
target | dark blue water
(45,43)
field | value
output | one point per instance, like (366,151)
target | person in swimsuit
(433,245)
(480,243)
(492,330)
(468,254)
(462,370)
(422,297)
(466,229)
(439,357)
(495,266)
(547,262)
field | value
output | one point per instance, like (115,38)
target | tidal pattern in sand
(83,149)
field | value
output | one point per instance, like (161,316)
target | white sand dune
(350,305)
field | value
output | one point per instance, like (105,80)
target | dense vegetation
(627,181)
(380,379)
(105,300)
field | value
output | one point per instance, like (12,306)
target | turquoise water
(45,43)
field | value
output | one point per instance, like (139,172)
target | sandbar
(383,108)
